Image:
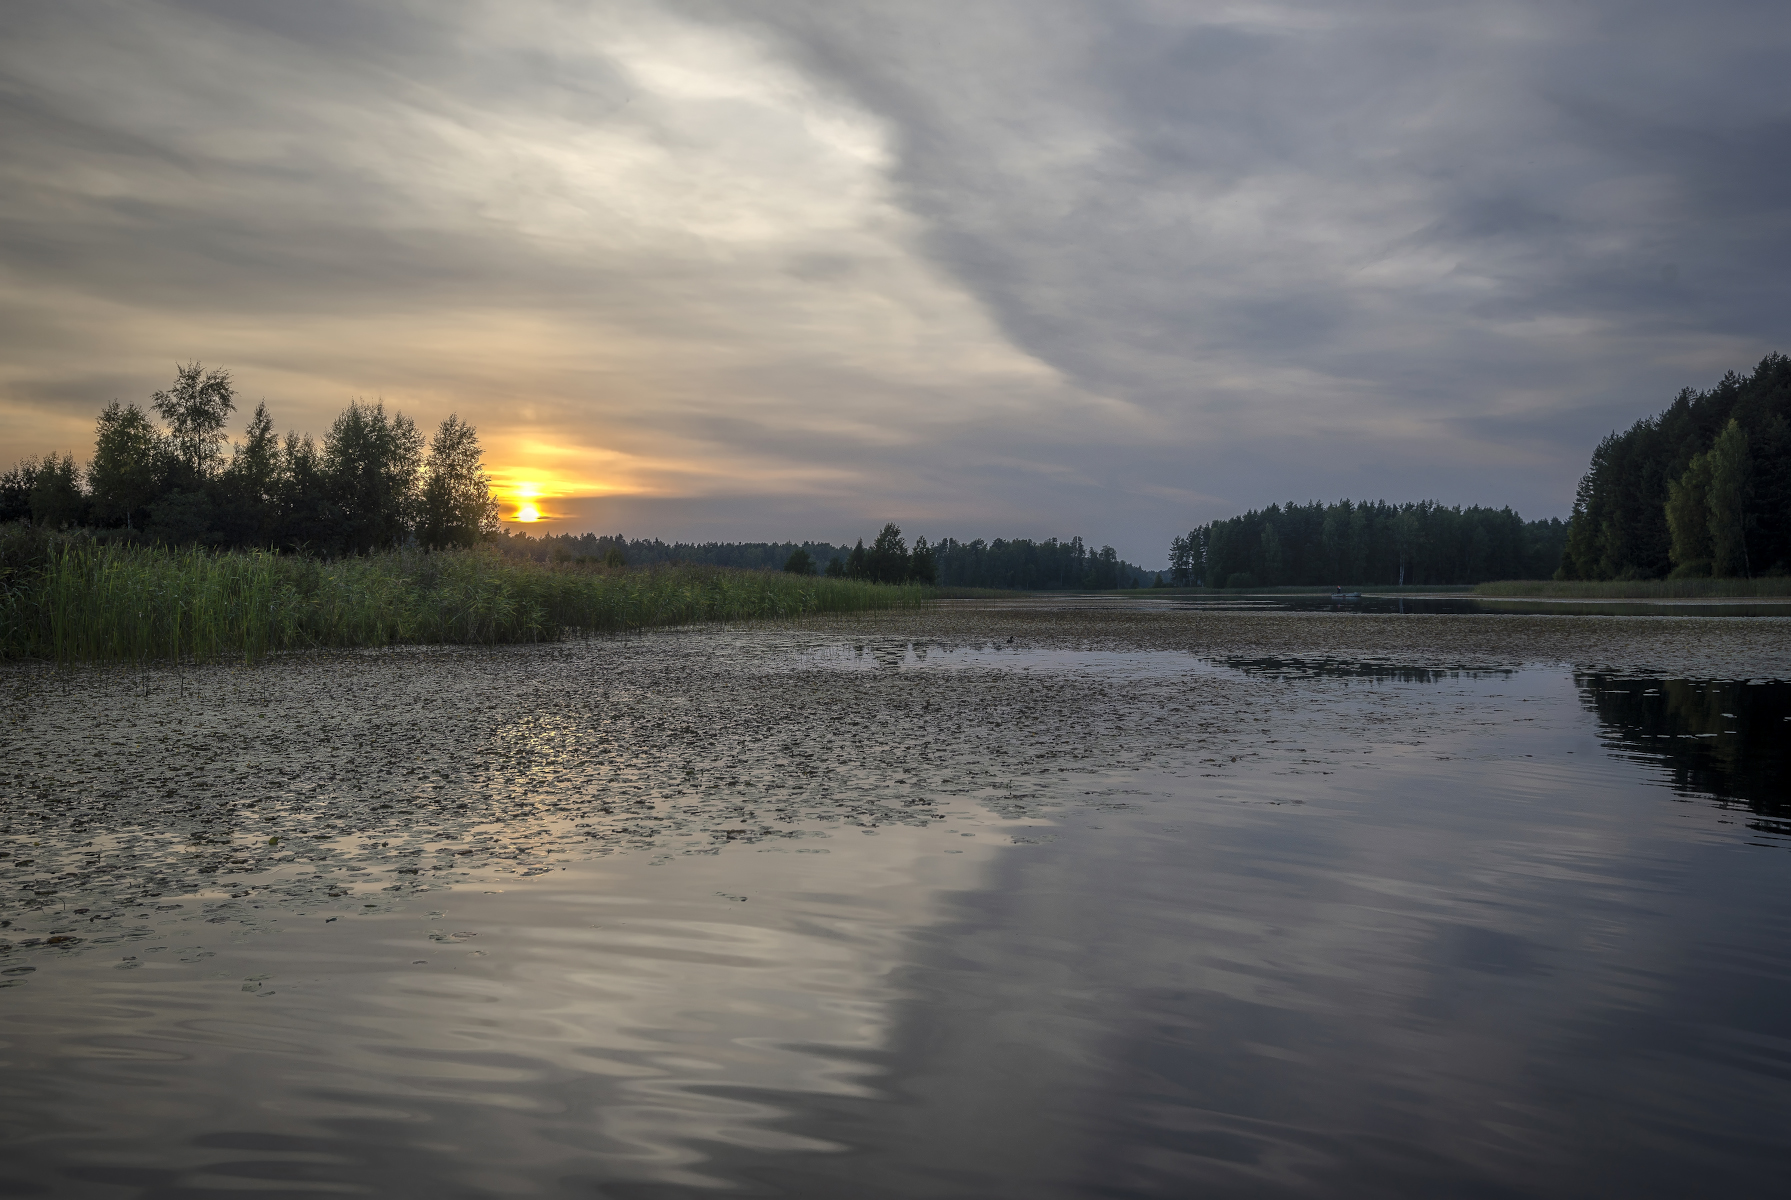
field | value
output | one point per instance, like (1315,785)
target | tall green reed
(86,601)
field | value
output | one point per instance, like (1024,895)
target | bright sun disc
(528,512)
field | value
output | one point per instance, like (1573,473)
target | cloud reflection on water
(1296,924)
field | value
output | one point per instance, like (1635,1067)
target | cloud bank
(773,269)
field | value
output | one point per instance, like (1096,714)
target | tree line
(886,560)
(373,484)
(1703,488)
(1025,565)
(1019,563)
(643,552)
(1372,543)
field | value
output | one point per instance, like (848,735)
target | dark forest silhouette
(1703,488)
(372,485)
(1378,543)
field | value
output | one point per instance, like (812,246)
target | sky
(757,270)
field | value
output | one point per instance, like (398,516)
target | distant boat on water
(1340,594)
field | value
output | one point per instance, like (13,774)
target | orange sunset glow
(527,510)
(530,496)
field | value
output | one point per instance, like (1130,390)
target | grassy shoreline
(1638,589)
(1308,589)
(80,601)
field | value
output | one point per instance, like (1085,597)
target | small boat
(1340,594)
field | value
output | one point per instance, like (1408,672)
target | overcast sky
(782,270)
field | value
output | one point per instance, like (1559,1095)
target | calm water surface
(1378,931)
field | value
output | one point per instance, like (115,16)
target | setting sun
(526,508)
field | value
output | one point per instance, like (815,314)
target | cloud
(1040,267)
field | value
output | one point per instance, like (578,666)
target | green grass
(1638,589)
(77,601)
(954,592)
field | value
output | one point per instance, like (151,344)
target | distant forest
(1376,543)
(644,552)
(1704,488)
(375,484)
(1017,563)
(1025,565)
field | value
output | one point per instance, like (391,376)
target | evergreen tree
(887,561)
(249,484)
(1621,525)
(1181,560)
(799,562)
(923,564)
(1372,543)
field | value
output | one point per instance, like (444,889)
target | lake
(991,900)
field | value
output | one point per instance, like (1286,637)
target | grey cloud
(1557,158)
(1276,251)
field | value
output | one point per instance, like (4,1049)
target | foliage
(75,598)
(800,562)
(1688,519)
(1731,486)
(887,561)
(1022,564)
(370,486)
(372,463)
(56,497)
(15,490)
(129,464)
(643,552)
(923,564)
(457,506)
(196,409)
(1001,564)
(1637,511)
(1363,543)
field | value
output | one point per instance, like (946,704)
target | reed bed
(82,601)
(1638,589)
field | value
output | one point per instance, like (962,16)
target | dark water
(1417,605)
(1364,930)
